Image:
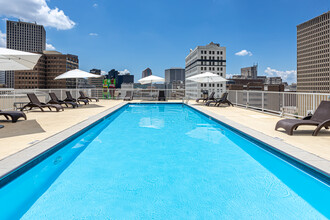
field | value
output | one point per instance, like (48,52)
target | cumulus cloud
(2,39)
(50,47)
(95,5)
(229,76)
(124,72)
(36,11)
(93,34)
(243,53)
(287,75)
(103,72)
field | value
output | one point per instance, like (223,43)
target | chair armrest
(308,117)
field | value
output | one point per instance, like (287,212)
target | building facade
(313,46)
(250,72)
(29,37)
(146,72)
(24,36)
(209,58)
(276,80)
(50,65)
(175,75)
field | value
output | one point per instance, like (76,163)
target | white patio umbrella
(11,60)
(207,77)
(77,74)
(17,60)
(151,79)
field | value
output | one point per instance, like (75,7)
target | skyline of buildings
(312,42)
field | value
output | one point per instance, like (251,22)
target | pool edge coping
(15,161)
(306,158)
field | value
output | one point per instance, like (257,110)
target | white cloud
(95,5)
(50,47)
(103,72)
(243,53)
(287,75)
(36,11)
(93,34)
(2,39)
(124,72)
(229,76)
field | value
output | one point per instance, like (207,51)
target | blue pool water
(163,161)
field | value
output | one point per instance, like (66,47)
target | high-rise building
(209,58)
(24,36)
(250,72)
(50,65)
(313,46)
(174,75)
(146,72)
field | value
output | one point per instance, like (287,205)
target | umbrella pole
(77,88)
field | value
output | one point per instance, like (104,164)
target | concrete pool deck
(15,137)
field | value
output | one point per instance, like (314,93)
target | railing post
(247,99)
(262,101)
(314,103)
(236,99)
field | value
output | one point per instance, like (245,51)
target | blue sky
(134,35)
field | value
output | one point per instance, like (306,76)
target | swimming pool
(163,161)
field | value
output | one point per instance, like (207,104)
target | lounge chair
(161,96)
(55,100)
(35,103)
(69,98)
(128,96)
(82,96)
(14,115)
(207,98)
(321,118)
(222,100)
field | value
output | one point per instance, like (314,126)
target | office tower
(175,78)
(209,58)
(24,36)
(313,65)
(146,72)
(250,72)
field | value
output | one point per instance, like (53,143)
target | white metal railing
(293,104)
(9,98)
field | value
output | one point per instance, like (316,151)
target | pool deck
(15,137)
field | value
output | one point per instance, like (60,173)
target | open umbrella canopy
(151,79)
(207,77)
(17,60)
(76,74)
